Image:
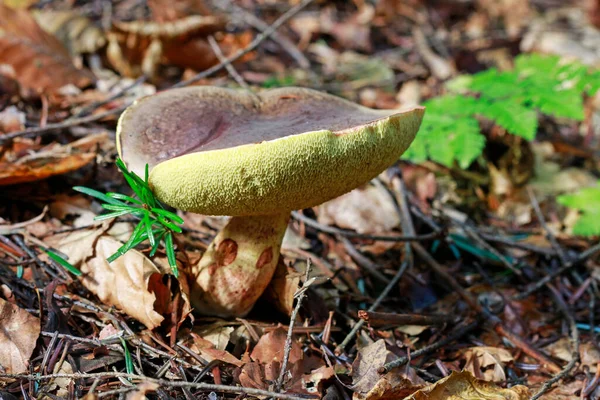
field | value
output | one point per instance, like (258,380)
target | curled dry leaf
(481,358)
(11,119)
(40,163)
(266,365)
(141,46)
(140,391)
(207,350)
(366,210)
(20,330)
(464,386)
(132,283)
(367,383)
(40,61)
(77,33)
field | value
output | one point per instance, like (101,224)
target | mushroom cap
(219,151)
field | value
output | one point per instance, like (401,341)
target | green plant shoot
(156,225)
(587,201)
(450,132)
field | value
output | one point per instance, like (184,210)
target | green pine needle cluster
(538,84)
(156,225)
(587,201)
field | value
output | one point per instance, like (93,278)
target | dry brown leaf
(11,119)
(206,349)
(516,14)
(391,386)
(270,348)
(40,61)
(140,391)
(367,383)
(464,386)
(77,33)
(481,358)
(20,330)
(74,206)
(366,210)
(127,283)
(55,159)
(563,350)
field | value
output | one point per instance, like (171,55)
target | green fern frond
(511,99)
(512,116)
(587,201)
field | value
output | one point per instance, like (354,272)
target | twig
(576,342)
(161,382)
(228,66)
(457,333)
(253,45)
(373,307)
(251,19)
(363,261)
(495,321)
(378,319)
(37,131)
(545,280)
(351,234)
(299,295)
(91,107)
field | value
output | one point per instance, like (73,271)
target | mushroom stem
(238,265)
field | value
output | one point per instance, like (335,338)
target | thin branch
(457,333)
(38,131)
(228,66)
(351,234)
(546,279)
(576,343)
(161,382)
(373,307)
(299,295)
(253,45)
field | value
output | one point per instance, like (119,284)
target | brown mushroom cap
(225,152)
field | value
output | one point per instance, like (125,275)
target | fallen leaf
(140,391)
(124,283)
(481,358)
(516,14)
(20,330)
(11,120)
(40,61)
(77,33)
(217,334)
(367,383)
(271,345)
(207,350)
(79,206)
(464,386)
(366,210)
(391,386)
(54,159)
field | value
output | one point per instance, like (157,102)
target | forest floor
(431,282)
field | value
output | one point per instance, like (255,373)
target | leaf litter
(480,253)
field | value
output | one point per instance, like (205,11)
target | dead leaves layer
(39,60)
(20,330)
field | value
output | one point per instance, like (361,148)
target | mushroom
(256,158)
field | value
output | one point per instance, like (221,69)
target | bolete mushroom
(256,158)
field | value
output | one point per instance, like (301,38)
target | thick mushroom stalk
(238,265)
(217,151)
